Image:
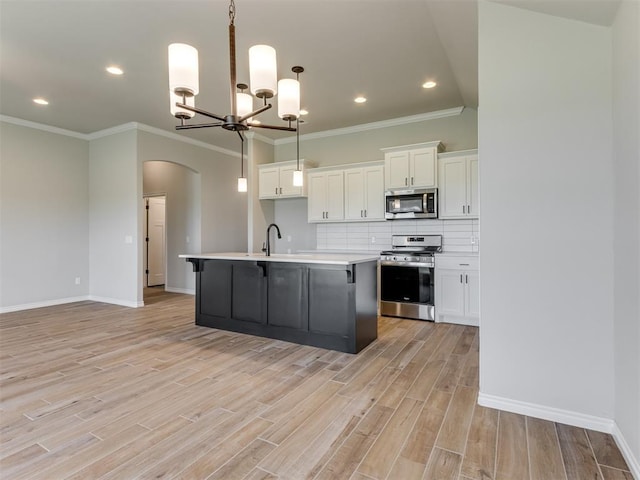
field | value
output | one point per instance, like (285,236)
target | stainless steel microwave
(411,203)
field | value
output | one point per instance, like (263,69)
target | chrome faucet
(267,249)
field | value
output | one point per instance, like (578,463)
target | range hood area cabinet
(412,166)
(275,180)
(458,180)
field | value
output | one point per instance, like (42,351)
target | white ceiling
(383,49)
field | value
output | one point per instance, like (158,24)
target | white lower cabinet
(457,289)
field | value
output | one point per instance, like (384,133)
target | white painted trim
(180,138)
(544,412)
(186,291)
(632,462)
(262,138)
(393,122)
(41,126)
(46,303)
(125,127)
(116,301)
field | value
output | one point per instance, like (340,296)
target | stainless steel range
(407,276)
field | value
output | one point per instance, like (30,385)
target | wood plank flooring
(96,391)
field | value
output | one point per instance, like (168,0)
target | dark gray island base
(326,305)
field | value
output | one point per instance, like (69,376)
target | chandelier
(184,86)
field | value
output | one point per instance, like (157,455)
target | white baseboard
(116,301)
(544,412)
(632,462)
(567,417)
(186,291)
(46,303)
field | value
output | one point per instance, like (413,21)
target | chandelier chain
(232,11)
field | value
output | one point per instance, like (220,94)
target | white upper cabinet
(412,166)
(458,181)
(364,193)
(326,196)
(275,180)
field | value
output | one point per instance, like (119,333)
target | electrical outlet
(77,280)
(128,239)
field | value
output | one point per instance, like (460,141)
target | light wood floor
(91,391)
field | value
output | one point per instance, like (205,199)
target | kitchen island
(323,300)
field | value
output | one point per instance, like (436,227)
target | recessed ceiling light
(304,112)
(40,101)
(429,84)
(113,70)
(360,99)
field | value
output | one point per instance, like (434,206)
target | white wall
(115,186)
(626,144)
(546,196)
(44,217)
(223,211)
(457,132)
(181,186)
(261,212)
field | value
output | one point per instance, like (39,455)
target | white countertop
(322,258)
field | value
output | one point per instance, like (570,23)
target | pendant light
(184,85)
(298,177)
(242,180)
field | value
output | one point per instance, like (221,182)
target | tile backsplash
(457,235)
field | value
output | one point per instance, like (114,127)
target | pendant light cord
(232,12)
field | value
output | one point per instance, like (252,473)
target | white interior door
(156,241)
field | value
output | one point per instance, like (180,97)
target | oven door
(407,290)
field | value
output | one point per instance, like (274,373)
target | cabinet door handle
(280,190)
(460,278)
(365,212)
(466,279)
(411,180)
(468,209)
(463,209)
(405,181)
(463,264)
(361,214)
(276,190)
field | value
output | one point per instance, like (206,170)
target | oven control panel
(400,259)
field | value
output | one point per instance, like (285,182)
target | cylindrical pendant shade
(298,178)
(288,99)
(244,104)
(242,184)
(183,69)
(263,71)
(179,112)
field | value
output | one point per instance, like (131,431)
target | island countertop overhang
(316,258)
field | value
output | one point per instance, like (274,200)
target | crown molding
(393,122)
(174,136)
(43,127)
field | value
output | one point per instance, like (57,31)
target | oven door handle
(395,263)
